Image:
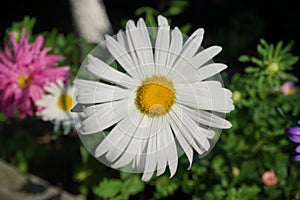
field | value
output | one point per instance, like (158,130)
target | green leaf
(278,48)
(22,161)
(176,7)
(133,185)
(251,69)
(165,187)
(84,154)
(16,28)
(256,61)
(108,188)
(186,28)
(244,58)
(261,50)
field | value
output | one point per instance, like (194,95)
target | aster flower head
(24,69)
(55,106)
(293,134)
(289,88)
(166,99)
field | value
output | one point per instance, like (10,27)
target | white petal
(122,132)
(96,92)
(130,28)
(121,55)
(181,140)
(109,114)
(129,131)
(210,84)
(175,47)
(162,46)
(202,89)
(185,128)
(148,49)
(198,133)
(151,156)
(192,44)
(161,146)
(107,73)
(182,69)
(210,70)
(214,102)
(92,86)
(183,72)
(141,151)
(207,118)
(162,21)
(139,37)
(171,150)
(121,37)
(52,89)
(204,56)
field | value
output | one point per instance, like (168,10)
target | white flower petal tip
(166,100)
(130,25)
(141,23)
(199,31)
(205,56)
(162,21)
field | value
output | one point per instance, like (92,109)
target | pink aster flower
(24,69)
(269,178)
(289,88)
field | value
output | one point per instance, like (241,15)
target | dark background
(235,25)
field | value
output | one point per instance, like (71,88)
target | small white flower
(165,101)
(56,105)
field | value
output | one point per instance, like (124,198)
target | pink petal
(8,52)
(38,43)
(56,73)
(14,42)
(4,60)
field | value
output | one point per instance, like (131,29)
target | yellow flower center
(155,96)
(65,102)
(24,81)
(290,91)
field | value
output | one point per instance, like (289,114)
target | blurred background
(235,25)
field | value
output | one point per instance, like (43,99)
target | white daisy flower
(167,100)
(56,105)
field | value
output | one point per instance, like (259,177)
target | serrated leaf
(108,188)
(165,187)
(133,185)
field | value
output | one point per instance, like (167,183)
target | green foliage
(164,187)
(69,46)
(16,28)
(168,9)
(119,189)
(272,60)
